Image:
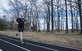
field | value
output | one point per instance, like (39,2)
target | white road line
(42,46)
(33,44)
(14,45)
(1,50)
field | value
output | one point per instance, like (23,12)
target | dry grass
(73,40)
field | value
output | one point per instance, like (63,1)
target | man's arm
(24,21)
(16,21)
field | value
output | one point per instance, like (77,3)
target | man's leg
(21,34)
(17,33)
(19,30)
(21,37)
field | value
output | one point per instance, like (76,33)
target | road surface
(13,44)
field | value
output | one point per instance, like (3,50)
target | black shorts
(20,29)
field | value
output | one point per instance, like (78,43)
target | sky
(3,4)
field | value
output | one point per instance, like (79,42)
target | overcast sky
(3,4)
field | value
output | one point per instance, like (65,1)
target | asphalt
(7,47)
(28,45)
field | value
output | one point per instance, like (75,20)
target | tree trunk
(52,16)
(77,22)
(66,16)
(48,17)
(72,17)
(58,16)
(79,4)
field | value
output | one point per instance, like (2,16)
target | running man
(20,22)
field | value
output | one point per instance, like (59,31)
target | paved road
(13,44)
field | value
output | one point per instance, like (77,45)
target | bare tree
(66,16)
(58,16)
(71,15)
(77,21)
(80,13)
(54,11)
(52,15)
(47,10)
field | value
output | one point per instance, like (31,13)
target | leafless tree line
(54,13)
